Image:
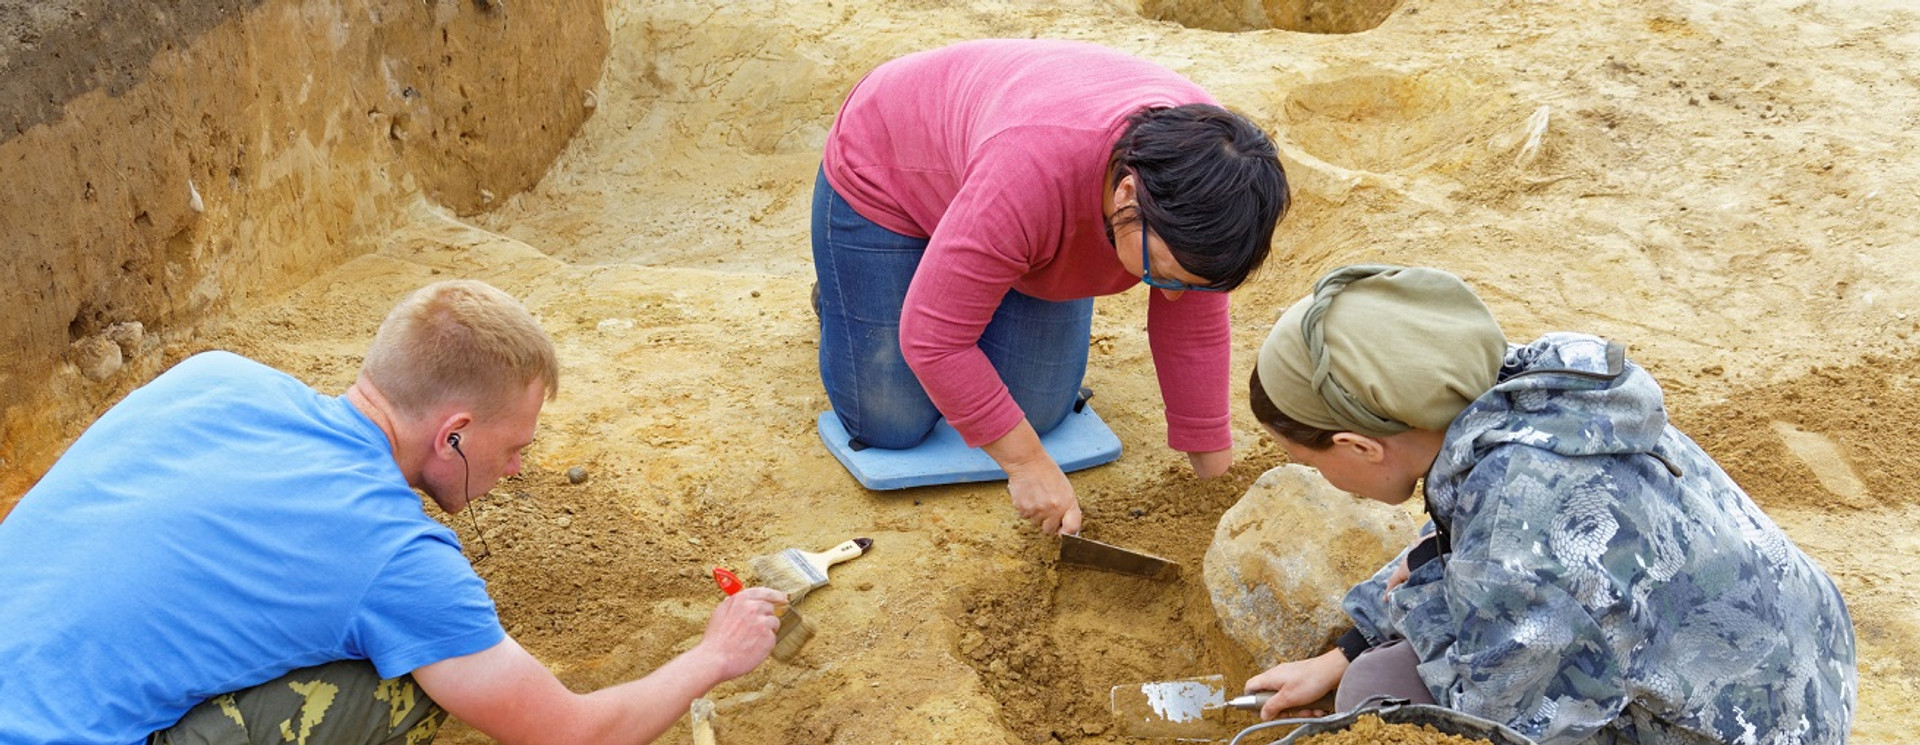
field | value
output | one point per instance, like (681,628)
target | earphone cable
(466,491)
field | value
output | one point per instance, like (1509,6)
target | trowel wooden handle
(701,712)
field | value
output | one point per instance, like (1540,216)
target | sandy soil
(1725,186)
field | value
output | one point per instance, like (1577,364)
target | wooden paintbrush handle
(837,554)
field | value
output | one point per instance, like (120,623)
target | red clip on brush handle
(728,583)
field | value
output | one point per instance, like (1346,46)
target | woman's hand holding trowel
(1040,490)
(1046,500)
(1300,684)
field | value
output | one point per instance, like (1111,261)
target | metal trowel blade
(1087,552)
(1186,709)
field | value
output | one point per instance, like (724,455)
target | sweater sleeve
(1192,344)
(1003,222)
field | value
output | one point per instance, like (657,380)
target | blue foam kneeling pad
(1081,441)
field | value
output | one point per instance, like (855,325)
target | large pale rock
(1287,551)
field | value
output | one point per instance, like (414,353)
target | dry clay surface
(1727,187)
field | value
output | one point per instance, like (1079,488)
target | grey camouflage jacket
(1607,582)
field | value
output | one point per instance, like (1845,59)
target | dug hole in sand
(1724,186)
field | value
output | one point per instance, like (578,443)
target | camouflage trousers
(339,703)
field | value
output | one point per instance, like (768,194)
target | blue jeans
(1038,347)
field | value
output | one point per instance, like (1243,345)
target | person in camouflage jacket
(1591,574)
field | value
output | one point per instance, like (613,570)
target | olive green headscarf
(1377,349)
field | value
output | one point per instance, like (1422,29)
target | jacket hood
(1572,394)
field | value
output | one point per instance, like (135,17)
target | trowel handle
(729,583)
(1251,701)
(701,715)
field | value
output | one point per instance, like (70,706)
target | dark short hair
(1213,187)
(1267,413)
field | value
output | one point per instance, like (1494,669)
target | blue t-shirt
(221,526)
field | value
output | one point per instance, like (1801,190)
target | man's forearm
(639,711)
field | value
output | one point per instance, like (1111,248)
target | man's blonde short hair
(462,342)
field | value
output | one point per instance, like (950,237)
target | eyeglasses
(1146,271)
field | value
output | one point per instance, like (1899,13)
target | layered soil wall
(169,163)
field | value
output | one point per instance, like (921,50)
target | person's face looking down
(1170,278)
(1360,465)
(484,450)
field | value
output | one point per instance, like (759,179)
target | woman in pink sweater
(972,202)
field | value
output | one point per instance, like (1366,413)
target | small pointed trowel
(1184,709)
(701,715)
(1087,552)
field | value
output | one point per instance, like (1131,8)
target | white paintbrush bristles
(793,634)
(797,572)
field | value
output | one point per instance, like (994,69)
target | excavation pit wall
(169,164)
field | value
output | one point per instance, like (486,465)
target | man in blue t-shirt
(229,556)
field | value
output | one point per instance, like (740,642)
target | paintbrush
(794,630)
(797,572)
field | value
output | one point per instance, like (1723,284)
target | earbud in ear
(454,440)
